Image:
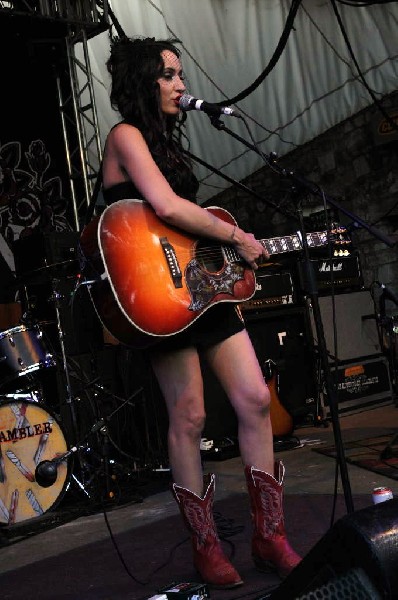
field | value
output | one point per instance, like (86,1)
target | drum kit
(35,443)
(29,431)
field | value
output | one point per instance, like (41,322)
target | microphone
(46,472)
(187,102)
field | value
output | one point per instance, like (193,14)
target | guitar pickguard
(204,286)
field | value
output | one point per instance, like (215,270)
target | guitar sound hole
(209,255)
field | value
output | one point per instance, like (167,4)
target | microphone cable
(377,102)
(274,59)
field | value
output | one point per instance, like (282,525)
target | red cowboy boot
(270,548)
(208,557)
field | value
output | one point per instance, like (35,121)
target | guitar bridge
(172,262)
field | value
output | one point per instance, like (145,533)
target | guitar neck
(292,243)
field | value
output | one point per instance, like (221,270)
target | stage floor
(78,559)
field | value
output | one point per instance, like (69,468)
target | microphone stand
(46,471)
(244,188)
(303,184)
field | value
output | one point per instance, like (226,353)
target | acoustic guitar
(151,280)
(281,419)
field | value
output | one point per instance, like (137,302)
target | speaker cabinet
(221,421)
(360,550)
(361,384)
(284,336)
(356,327)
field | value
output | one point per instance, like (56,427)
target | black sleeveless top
(181,179)
(127,189)
(218,322)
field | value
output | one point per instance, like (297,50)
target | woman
(144,159)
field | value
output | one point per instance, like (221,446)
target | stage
(140,545)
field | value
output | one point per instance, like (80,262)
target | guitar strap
(94,197)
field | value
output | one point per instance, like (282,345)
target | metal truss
(85,13)
(73,22)
(78,109)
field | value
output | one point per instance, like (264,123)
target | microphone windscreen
(46,473)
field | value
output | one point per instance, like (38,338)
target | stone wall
(352,167)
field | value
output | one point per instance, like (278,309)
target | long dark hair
(135,64)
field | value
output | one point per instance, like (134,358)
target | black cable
(372,94)
(382,217)
(225,529)
(274,59)
(362,3)
(268,162)
(120,555)
(350,50)
(119,29)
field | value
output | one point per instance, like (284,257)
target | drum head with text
(29,434)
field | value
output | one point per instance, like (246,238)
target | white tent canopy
(227,44)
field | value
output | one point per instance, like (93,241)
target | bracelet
(233,233)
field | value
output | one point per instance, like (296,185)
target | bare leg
(180,380)
(235,363)
(241,376)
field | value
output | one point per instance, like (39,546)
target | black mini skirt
(217,323)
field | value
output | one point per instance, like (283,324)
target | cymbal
(46,274)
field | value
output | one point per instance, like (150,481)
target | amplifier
(361,384)
(346,271)
(354,318)
(271,290)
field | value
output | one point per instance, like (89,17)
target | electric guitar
(281,420)
(151,280)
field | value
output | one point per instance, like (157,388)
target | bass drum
(29,434)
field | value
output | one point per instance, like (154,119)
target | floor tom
(23,351)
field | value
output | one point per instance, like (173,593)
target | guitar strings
(215,250)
